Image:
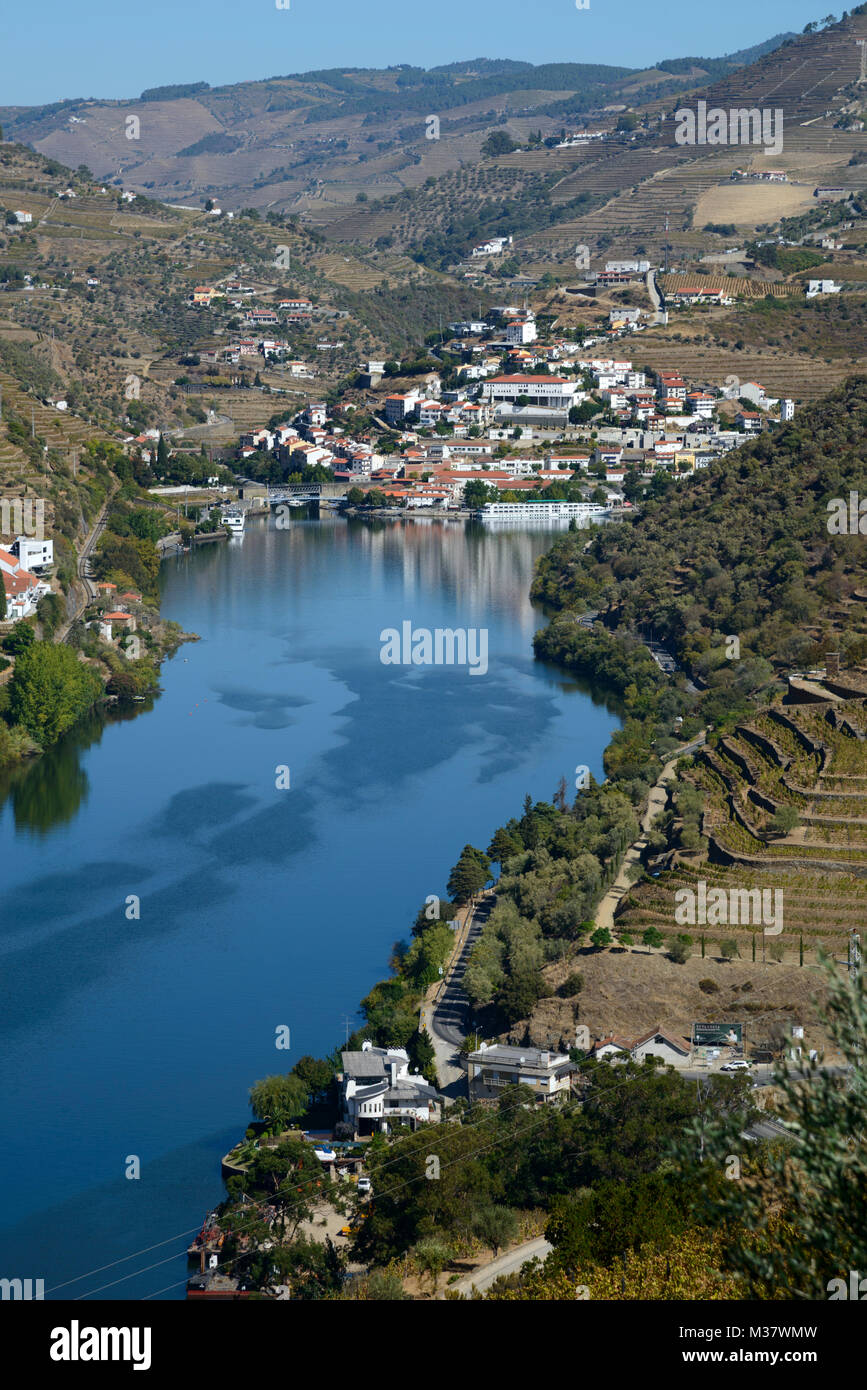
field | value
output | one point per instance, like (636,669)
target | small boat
(234,518)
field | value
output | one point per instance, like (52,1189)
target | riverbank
(181,810)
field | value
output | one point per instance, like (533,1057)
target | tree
(423,1056)
(498,142)
(477,493)
(316,1074)
(50,690)
(653,937)
(520,994)
(162,455)
(503,846)
(496,1226)
(279,1099)
(728,948)
(679,950)
(784,819)
(288,1176)
(433,1255)
(469,875)
(19,639)
(601,937)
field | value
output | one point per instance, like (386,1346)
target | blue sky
(102,48)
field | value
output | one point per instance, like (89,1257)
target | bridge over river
(292,492)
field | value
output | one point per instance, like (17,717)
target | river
(134,1031)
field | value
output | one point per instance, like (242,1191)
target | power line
(180,1235)
(484,1119)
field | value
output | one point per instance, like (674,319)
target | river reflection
(259,907)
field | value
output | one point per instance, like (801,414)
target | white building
(23,588)
(553,391)
(33,554)
(495,247)
(520,331)
(787,410)
(23,216)
(492,1070)
(377,1089)
(398,407)
(659,1043)
(815,287)
(630,267)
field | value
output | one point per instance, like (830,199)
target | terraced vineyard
(811,759)
(735,285)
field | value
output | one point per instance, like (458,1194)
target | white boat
(234,518)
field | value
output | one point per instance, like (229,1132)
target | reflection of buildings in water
(482,570)
(479,571)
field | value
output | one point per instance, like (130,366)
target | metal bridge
(304,492)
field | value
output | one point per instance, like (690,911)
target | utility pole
(347,1021)
(854,956)
(854,972)
(701,1099)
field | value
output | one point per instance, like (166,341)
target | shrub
(573,984)
(679,949)
(708,986)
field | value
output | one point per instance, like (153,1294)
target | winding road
(655,806)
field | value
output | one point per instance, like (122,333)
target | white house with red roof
(23,588)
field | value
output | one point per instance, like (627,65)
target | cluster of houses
(378,1089)
(649,426)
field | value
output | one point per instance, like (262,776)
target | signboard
(718,1035)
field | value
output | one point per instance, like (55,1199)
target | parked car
(735,1066)
(364,1187)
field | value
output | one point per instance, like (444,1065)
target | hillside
(743,550)
(318,137)
(61,336)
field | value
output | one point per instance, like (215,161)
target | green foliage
(680,949)
(50,690)
(19,639)
(496,1226)
(279,1099)
(469,875)
(498,142)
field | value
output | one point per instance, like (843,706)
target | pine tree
(503,846)
(468,876)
